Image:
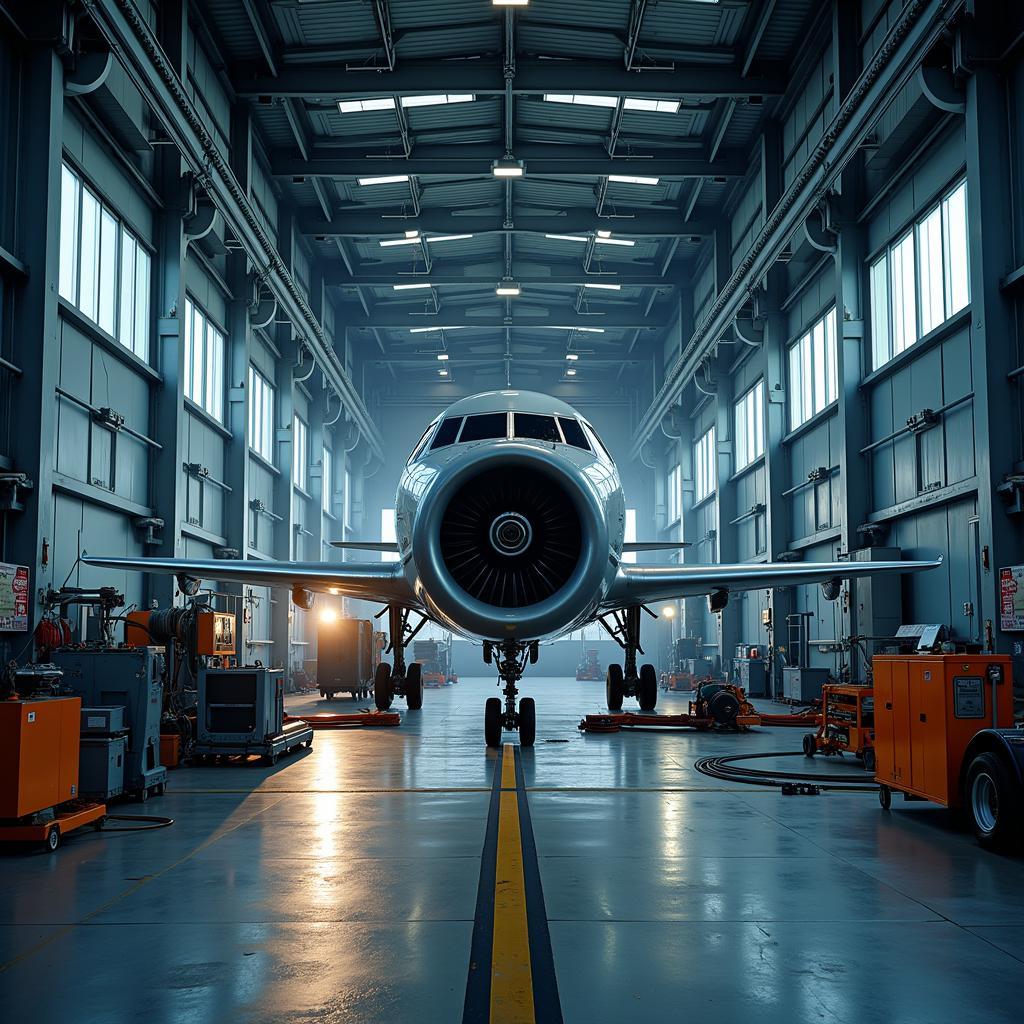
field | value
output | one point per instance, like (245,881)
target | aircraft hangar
(511,510)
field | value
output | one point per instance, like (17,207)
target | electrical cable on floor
(150,822)
(725,769)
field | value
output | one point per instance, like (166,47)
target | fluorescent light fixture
(571,372)
(571,356)
(442,373)
(508,167)
(604,234)
(356,106)
(566,238)
(410,287)
(386,179)
(412,234)
(413,239)
(605,287)
(448,238)
(581,100)
(439,327)
(653,106)
(588,330)
(437,99)
(510,3)
(631,179)
(442,356)
(603,238)
(506,286)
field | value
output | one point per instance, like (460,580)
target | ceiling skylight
(437,99)
(448,238)
(566,238)
(356,106)
(581,100)
(631,179)
(653,106)
(386,179)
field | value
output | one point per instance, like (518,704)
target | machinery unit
(803,685)
(241,711)
(129,678)
(686,666)
(211,633)
(847,724)
(751,669)
(590,667)
(344,657)
(436,658)
(101,762)
(942,734)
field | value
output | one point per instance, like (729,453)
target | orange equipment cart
(928,708)
(847,723)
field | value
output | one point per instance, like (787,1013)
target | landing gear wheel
(488,652)
(52,840)
(527,722)
(270,759)
(534,652)
(492,722)
(613,688)
(414,686)
(811,744)
(992,801)
(383,687)
(868,759)
(885,797)
(647,688)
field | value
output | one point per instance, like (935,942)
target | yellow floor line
(511,976)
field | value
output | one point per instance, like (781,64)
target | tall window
(387,533)
(704,465)
(750,426)
(347,501)
(813,374)
(327,481)
(674,486)
(104,270)
(300,453)
(629,534)
(921,280)
(261,414)
(204,362)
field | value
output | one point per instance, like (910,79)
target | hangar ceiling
(633,122)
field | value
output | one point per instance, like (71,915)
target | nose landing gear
(625,680)
(401,680)
(512,656)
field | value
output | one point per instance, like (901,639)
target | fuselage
(510,517)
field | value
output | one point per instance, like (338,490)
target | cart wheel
(647,688)
(143,795)
(308,743)
(270,759)
(492,721)
(613,687)
(810,744)
(885,797)
(383,687)
(527,722)
(97,825)
(52,840)
(868,757)
(992,800)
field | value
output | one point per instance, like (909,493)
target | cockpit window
(596,441)
(422,443)
(536,428)
(446,433)
(574,433)
(484,427)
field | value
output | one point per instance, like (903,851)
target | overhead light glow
(438,327)
(385,179)
(632,179)
(654,106)
(603,238)
(606,287)
(328,615)
(410,287)
(588,330)
(355,106)
(510,3)
(442,373)
(566,238)
(443,356)
(572,356)
(508,167)
(437,99)
(604,234)
(668,611)
(413,239)
(508,287)
(448,238)
(581,100)
(570,372)
(412,234)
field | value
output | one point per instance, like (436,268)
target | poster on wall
(1011,597)
(13,598)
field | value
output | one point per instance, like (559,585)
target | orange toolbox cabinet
(928,708)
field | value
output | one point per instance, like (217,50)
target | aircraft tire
(414,686)
(527,722)
(613,687)
(492,722)
(647,688)
(383,687)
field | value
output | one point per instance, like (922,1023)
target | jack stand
(625,680)
(512,658)
(399,680)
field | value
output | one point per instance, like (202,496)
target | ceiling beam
(475,161)
(559,222)
(388,318)
(485,77)
(262,34)
(757,33)
(459,277)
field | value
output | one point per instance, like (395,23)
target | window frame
(327,480)
(803,402)
(300,453)
(209,394)
(261,422)
(705,470)
(747,455)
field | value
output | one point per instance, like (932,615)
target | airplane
(510,522)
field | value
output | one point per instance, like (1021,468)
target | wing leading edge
(369,581)
(643,584)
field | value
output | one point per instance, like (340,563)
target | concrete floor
(341,886)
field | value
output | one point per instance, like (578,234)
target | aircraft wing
(368,581)
(643,584)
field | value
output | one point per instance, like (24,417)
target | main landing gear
(512,657)
(624,680)
(400,681)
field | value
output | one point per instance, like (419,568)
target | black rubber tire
(492,721)
(488,656)
(869,760)
(810,744)
(383,687)
(999,828)
(534,652)
(647,688)
(270,759)
(527,722)
(414,686)
(143,795)
(613,687)
(52,840)
(885,797)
